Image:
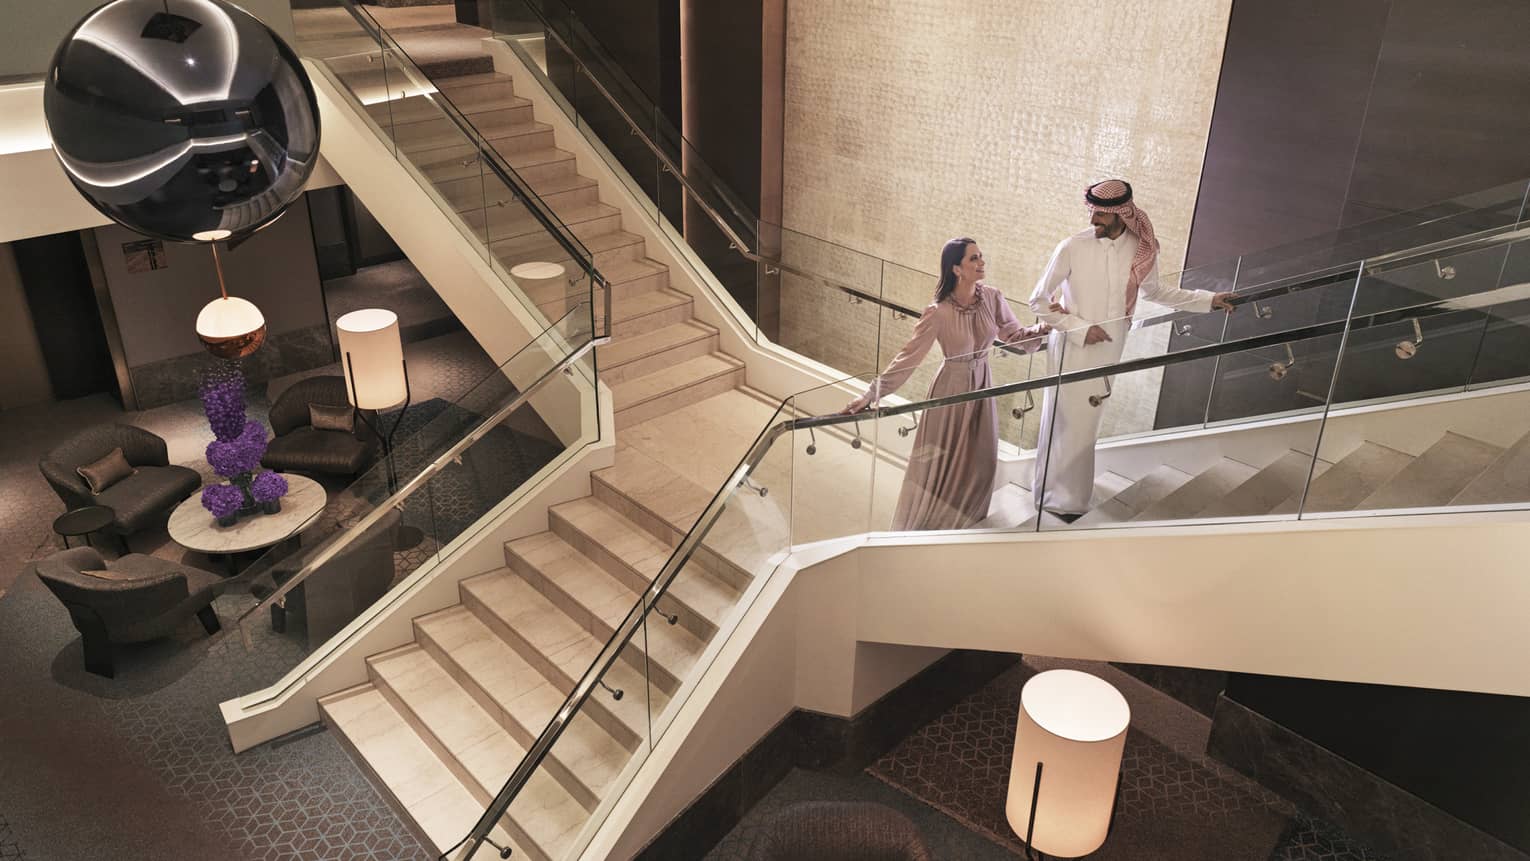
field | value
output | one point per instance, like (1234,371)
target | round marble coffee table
(194,528)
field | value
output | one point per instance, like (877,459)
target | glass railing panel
(450,463)
(1422,329)
(1502,356)
(1094,474)
(829,302)
(833,468)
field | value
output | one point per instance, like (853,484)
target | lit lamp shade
(372,354)
(1075,724)
(231,328)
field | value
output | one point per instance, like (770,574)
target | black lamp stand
(406,537)
(1030,826)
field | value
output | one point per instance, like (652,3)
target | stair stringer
(1426,601)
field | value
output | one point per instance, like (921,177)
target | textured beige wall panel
(911,122)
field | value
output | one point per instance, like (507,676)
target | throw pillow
(331,418)
(107,471)
(104,574)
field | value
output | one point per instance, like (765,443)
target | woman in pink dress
(949,481)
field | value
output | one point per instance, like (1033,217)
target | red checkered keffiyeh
(1115,196)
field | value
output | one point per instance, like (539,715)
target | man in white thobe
(1088,294)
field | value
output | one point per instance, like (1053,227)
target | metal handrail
(502,171)
(397,498)
(689,544)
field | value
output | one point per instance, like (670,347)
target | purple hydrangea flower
(222,396)
(222,500)
(242,454)
(268,486)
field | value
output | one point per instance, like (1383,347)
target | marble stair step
(635,557)
(595,599)
(1351,479)
(631,277)
(1266,488)
(638,355)
(591,752)
(428,106)
(542,247)
(441,809)
(512,220)
(667,390)
(1189,498)
(467,90)
(1157,484)
(1507,479)
(667,505)
(645,312)
(559,647)
(545,816)
(439,127)
(463,164)
(1436,476)
(529,135)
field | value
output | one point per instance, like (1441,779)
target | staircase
(443,720)
(1454,470)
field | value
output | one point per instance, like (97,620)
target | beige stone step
(437,805)
(464,165)
(560,648)
(666,505)
(440,130)
(429,106)
(586,219)
(466,90)
(636,355)
(638,400)
(1267,488)
(1157,484)
(631,277)
(1351,479)
(1210,484)
(1014,507)
(1436,476)
(595,599)
(544,248)
(545,817)
(596,744)
(505,141)
(645,312)
(636,557)
(1506,480)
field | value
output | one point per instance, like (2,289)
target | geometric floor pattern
(1173,803)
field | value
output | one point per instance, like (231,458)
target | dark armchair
(838,831)
(139,499)
(300,447)
(152,600)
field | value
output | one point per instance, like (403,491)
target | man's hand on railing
(1223,302)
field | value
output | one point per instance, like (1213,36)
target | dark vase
(229,519)
(271,506)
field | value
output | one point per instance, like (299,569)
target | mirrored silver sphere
(188,120)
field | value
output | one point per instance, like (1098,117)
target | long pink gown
(949,481)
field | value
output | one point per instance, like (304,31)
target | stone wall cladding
(910,123)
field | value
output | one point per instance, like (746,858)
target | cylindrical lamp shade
(372,354)
(231,328)
(1075,725)
(543,282)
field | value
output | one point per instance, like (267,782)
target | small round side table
(81,522)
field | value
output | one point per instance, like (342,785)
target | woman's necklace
(970,306)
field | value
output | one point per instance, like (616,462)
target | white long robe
(1087,276)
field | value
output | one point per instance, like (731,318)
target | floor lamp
(377,378)
(1066,771)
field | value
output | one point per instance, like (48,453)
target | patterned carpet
(1174,803)
(140,766)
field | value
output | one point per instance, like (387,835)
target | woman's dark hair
(951,255)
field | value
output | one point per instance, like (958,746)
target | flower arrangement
(235,452)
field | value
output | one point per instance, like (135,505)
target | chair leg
(209,619)
(98,652)
(93,636)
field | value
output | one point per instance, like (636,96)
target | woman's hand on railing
(858,405)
